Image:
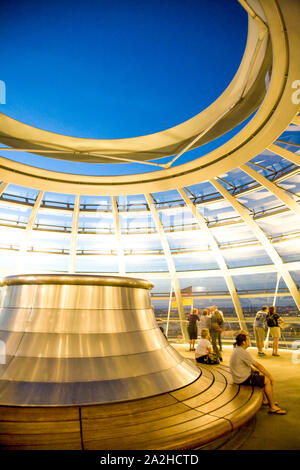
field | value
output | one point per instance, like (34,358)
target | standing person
(273,321)
(205,320)
(241,365)
(213,309)
(203,353)
(216,330)
(259,329)
(192,328)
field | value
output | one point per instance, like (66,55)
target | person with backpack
(259,328)
(273,322)
(216,331)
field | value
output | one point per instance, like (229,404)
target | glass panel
(291,134)
(140,263)
(97,203)
(260,201)
(14,215)
(189,240)
(51,220)
(296,276)
(10,237)
(218,211)
(97,264)
(136,222)
(245,256)
(9,261)
(280,224)
(45,241)
(179,218)
(160,299)
(229,234)
(167,198)
(291,186)
(132,202)
(195,261)
(139,242)
(202,191)
(234,179)
(205,285)
(45,262)
(63,201)
(259,282)
(101,243)
(21,193)
(289,250)
(161,286)
(96,222)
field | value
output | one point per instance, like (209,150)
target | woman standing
(273,321)
(192,328)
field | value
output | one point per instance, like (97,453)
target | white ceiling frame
(270,250)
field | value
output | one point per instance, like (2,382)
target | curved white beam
(164,143)
(287,154)
(74,236)
(28,231)
(272,118)
(273,188)
(120,249)
(3,187)
(219,257)
(171,265)
(281,268)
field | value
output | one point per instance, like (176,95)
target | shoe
(261,353)
(278,355)
(220,359)
(277,412)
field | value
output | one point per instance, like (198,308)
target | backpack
(271,321)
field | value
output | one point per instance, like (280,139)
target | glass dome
(216,221)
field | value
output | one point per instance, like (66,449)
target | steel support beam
(171,265)
(28,230)
(74,236)
(120,248)
(287,154)
(280,267)
(3,187)
(273,188)
(219,257)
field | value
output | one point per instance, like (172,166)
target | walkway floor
(272,432)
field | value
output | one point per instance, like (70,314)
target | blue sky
(114,69)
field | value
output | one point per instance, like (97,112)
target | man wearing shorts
(259,329)
(241,367)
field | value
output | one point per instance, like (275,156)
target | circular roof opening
(115,70)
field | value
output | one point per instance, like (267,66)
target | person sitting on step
(204,349)
(246,371)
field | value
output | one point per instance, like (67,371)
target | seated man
(204,349)
(241,367)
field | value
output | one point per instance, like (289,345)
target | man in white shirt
(241,367)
